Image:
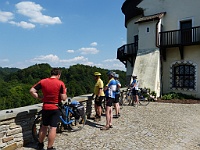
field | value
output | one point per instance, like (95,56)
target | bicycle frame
(67,110)
(69,122)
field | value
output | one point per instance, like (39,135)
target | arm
(34,93)
(63,95)
(105,88)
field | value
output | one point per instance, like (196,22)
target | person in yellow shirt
(99,96)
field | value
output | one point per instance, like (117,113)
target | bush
(173,95)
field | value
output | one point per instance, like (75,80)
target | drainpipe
(161,62)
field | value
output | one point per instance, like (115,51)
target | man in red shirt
(54,91)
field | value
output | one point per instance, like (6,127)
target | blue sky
(61,33)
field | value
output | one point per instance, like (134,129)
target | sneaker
(40,146)
(52,148)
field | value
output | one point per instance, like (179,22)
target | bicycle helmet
(134,76)
(97,73)
(116,75)
(110,73)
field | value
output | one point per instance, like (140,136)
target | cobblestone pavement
(158,126)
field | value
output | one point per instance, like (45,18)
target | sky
(61,33)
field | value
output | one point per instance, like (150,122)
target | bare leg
(108,116)
(137,99)
(51,136)
(116,108)
(42,133)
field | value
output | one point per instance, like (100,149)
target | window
(183,75)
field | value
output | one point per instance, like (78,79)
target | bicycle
(143,95)
(73,118)
(122,98)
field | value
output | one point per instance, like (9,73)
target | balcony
(184,37)
(179,38)
(127,52)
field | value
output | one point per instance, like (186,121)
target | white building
(163,45)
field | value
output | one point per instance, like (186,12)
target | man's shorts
(51,117)
(116,100)
(98,102)
(135,92)
(109,101)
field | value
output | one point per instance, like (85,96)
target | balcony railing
(190,36)
(127,52)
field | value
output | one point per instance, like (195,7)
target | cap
(97,73)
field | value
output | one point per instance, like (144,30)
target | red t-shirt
(51,89)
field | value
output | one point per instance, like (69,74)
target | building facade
(163,45)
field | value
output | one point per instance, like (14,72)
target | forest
(15,83)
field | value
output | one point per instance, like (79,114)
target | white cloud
(47,58)
(111,60)
(89,50)
(23,24)
(33,11)
(77,59)
(70,51)
(93,44)
(113,64)
(54,59)
(6,16)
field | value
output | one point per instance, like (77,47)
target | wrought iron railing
(190,36)
(126,51)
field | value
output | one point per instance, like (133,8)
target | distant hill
(15,83)
(5,71)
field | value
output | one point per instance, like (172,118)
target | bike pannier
(78,108)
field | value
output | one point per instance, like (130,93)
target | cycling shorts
(135,92)
(116,100)
(109,101)
(51,117)
(98,102)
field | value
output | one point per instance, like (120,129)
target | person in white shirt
(134,86)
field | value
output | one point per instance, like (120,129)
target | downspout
(161,62)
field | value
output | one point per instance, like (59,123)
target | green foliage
(173,95)
(16,83)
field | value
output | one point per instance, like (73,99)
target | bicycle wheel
(143,101)
(77,123)
(121,102)
(103,106)
(127,98)
(36,127)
